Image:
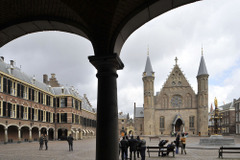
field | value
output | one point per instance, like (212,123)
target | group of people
(136,146)
(180,142)
(43,139)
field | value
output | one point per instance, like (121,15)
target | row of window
(191,122)
(16,111)
(83,121)
(19,90)
(26,113)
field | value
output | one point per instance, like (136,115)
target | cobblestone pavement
(85,150)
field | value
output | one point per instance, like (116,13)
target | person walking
(41,142)
(133,147)
(124,147)
(45,141)
(70,142)
(183,140)
(177,142)
(143,149)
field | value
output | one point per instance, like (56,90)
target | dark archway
(43,131)
(12,134)
(62,134)
(25,134)
(50,134)
(35,134)
(2,134)
(178,125)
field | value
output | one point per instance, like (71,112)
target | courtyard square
(85,150)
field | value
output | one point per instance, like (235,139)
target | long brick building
(29,108)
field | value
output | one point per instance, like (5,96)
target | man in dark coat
(177,142)
(45,139)
(70,142)
(133,147)
(143,148)
(41,142)
(124,147)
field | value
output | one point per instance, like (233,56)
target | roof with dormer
(14,71)
(148,68)
(202,68)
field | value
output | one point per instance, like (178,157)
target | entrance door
(178,126)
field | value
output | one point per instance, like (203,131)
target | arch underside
(107,24)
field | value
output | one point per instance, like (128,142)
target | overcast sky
(213,24)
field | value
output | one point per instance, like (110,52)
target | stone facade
(176,108)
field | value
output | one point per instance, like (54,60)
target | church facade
(176,107)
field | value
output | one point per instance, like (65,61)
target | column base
(19,141)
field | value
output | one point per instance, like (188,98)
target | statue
(215,102)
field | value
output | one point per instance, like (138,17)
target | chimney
(62,90)
(2,58)
(34,79)
(12,62)
(45,78)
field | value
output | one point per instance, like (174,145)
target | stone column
(56,134)
(107,108)
(81,135)
(6,136)
(30,135)
(19,135)
(77,135)
(39,133)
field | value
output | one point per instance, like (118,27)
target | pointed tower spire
(148,68)
(202,67)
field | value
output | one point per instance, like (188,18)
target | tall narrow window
(162,122)
(13,111)
(191,121)
(64,102)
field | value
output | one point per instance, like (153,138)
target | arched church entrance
(179,126)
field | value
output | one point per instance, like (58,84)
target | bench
(159,150)
(154,137)
(228,150)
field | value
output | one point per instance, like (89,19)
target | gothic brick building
(176,107)
(29,108)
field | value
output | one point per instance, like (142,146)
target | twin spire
(201,71)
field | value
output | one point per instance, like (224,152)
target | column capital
(100,62)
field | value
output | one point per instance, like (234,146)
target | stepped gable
(176,79)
